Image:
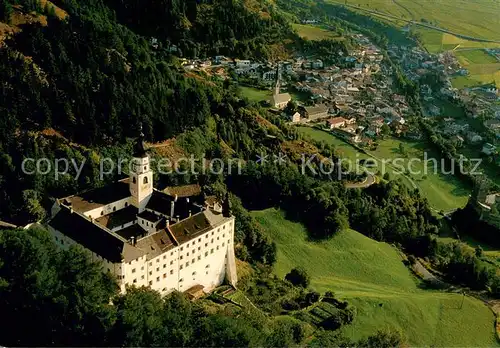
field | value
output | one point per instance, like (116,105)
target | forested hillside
(77,82)
(95,76)
(208,27)
(92,72)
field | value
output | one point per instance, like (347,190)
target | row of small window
(147,223)
(165,276)
(114,208)
(193,260)
(182,248)
(144,181)
(206,237)
(199,248)
(182,256)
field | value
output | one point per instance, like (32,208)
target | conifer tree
(5,11)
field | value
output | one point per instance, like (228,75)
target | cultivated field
(436,41)
(444,192)
(478,18)
(371,276)
(483,68)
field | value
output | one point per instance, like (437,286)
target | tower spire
(140,147)
(226,206)
(277,87)
(141,175)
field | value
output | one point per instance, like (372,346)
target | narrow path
(7,225)
(428,276)
(400,173)
(370,180)
(397,3)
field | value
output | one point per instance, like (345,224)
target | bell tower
(141,175)
(277,86)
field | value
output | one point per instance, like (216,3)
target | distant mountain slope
(207,27)
(96,72)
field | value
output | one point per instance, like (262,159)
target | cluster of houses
(485,202)
(354,105)
(477,102)
(359,88)
(417,63)
(475,108)
(461,133)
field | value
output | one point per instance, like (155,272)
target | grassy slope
(371,276)
(444,192)
(254,94)
(312,32)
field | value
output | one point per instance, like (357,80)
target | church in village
(165,240)
(279,100)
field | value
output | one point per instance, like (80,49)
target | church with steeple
(165,240)
(279,100)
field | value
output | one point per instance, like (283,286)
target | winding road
(370,180)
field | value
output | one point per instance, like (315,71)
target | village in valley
(354,93)
(353,98)
(469,116)
(357,100)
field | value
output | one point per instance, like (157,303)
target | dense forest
(93,79)
(47,301)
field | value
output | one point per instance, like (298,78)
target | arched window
(145,180)
(133,179)
(126,204)
(114,208)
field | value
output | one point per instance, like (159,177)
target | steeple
(140,147)
(277,87)
(226,206)
(141,175)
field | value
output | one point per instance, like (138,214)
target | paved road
(370,180)
(466,37)
(428,276)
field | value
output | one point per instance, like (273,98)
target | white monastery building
(146,237)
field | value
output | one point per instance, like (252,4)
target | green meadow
(372,277)
(444,191)
(475,18)
(254,94)
(312,32)
(483,68)
(436,41)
